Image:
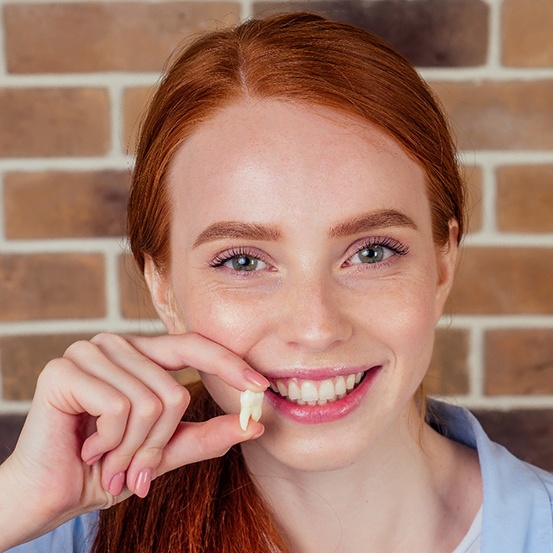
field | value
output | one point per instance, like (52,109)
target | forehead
(285,160)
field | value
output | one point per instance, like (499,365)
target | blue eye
(239,261)
(377,251)
(244,263)
(371,254)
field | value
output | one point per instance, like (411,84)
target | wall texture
(73,78)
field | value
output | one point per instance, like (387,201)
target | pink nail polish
(94,459)
(256,378)
(143,481)
(117,483)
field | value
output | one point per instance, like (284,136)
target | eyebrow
(255,231)
(370,221)
(236,229)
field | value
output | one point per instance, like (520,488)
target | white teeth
(309,391)
(250,406)
(317,392)
(294,391)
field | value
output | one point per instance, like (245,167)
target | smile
(316,392)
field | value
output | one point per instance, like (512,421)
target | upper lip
(321,373)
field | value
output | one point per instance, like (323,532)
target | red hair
(300,58)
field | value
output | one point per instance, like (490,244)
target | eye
(371,254)
(376,251)
(240,261)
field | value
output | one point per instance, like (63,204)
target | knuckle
(120,405)
(79,349)
(108,339)
(178,398)
(150,407)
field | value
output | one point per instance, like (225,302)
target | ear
(161,293)
(446,258)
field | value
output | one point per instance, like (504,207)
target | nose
(314,315)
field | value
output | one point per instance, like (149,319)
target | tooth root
(256,412)
(245,413)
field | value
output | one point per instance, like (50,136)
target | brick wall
(73,77)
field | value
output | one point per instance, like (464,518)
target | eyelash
(385,242)
(397,248)
(223,257)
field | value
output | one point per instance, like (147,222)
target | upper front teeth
(317,392)
(250,406)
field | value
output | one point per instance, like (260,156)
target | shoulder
(518,497)
(75,536)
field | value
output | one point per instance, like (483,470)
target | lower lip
(318,414)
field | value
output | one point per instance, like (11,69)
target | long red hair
(213,506)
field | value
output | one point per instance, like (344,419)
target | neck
(406,494)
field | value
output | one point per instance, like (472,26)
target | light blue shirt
(517,510)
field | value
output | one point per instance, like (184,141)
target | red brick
(473,177)
(47,122)
(503,280)
(526,33)
(500,115)
(104,36)
(135,101)
(525,198)
(51,286)
(448,372)
(58,204)
(527,433)
(454,33)
(23,357)
(519,362)
(135,297)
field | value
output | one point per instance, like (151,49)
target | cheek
(234,323)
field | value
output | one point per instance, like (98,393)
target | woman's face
(302,241)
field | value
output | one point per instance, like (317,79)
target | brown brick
(528,433)
(54,122)
(525,198)
(23,357)
(448,372)
(526,33)
(473,177)
(519,361)
(104,36)
(58,204)
(500,115)
(135,297)
(51,286)
(503,280)
(135,101)
(454,33)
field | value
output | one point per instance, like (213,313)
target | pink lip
(314,374)
(317,414)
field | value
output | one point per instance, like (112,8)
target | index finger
(178,351)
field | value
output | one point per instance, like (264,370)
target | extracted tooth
(250,406)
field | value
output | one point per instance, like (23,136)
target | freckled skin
(311,303)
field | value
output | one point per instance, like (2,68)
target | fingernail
(256,378)
(94,459)
(116,485)
(143,481)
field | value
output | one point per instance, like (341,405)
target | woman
(296,209)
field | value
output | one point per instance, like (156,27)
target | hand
(105,421)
